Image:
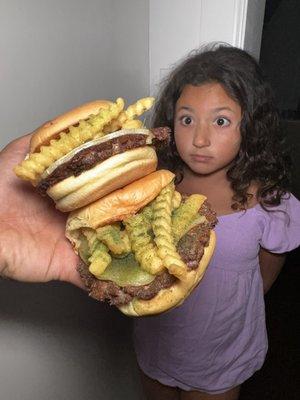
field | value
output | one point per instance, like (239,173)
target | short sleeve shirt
(217,338)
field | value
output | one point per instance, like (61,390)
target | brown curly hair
(262,158)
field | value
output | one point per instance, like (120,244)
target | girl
(225,146)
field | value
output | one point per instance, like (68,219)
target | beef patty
(190,248)
(87,158)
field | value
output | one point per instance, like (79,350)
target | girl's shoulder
(279,225)
(288,206)
(276,228)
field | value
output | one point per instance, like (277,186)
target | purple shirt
(217,338)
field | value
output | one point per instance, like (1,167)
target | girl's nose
(201,137)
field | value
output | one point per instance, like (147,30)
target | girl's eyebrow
(185,108)
(214,110)
(218,109)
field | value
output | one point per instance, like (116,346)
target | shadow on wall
(56,342)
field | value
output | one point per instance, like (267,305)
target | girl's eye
(222,121)
(186,120)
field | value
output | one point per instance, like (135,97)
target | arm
(270,267)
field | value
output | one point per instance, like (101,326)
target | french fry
(162,228)
(36,163)
(127,118)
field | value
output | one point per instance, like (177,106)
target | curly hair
(262,157)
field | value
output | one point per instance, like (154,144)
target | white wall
(56,55)
(55,342)
(129,49)
(254,25)
(176,27)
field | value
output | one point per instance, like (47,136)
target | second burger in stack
(144,247)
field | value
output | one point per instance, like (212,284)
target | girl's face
(207,128)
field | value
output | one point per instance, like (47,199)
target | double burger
(143,248)
(90,151)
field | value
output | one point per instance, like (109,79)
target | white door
(176,27)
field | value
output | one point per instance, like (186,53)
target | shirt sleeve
(280,227)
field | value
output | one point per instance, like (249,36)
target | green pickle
(126,271)
(130,256)
(185,216)
(84,249)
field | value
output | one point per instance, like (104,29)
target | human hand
(33,246)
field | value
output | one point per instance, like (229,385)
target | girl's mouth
(201,158)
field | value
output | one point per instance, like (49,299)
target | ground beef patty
(102,290)
(191,249)
(87,158)
(191,245)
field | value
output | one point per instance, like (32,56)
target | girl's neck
(204,184)
(215,187)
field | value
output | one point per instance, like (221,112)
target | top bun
(118,205)
(51,129)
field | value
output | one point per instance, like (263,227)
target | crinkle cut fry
(183,217)
(99,260)
(142,244)
(100,257)
(137,109)
(36,163)
(162,228)
(116,240)
(126,118)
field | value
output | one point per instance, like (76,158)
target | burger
(90,151)
(144,247)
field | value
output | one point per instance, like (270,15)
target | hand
(33,246)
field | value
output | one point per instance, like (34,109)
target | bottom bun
(176,294)
(113,173)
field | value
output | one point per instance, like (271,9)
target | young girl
(225,146)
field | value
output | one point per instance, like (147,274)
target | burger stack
(143,246)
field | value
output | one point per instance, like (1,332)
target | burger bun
(173,296)
(114,173)
(116,207)
(51,129)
